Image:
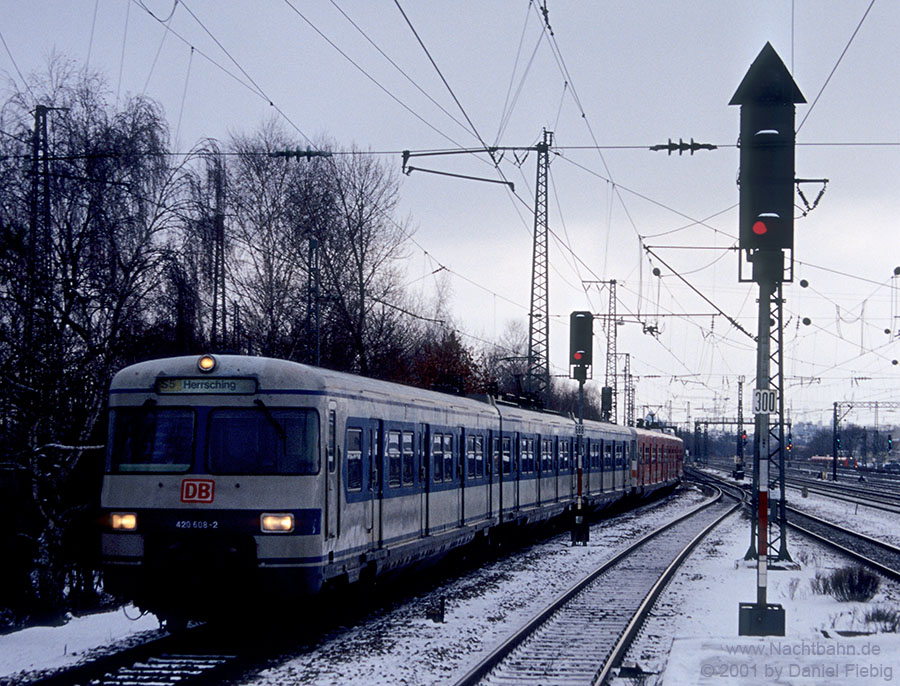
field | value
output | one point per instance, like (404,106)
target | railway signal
(581,343)
(767,96)
(581,339)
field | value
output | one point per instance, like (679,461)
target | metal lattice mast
(538,379)
(611,351)
(629,392)
(777,541)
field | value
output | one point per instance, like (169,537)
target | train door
(517,470)
(631,457)
(332,460)
(422,475)
(373,453)
(460,460)
(431,473)
(492,467)
(400,502)
(507,476)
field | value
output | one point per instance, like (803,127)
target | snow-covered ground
(402,645)
(692,639)
(51,647)
(884,526)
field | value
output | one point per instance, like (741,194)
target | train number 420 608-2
(195,524)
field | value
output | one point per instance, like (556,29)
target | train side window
(437,457)
(607,456)
(470,456)
(408,458)
(332,439)
(354,459)
(547,455)
(620,462)
(393,458)
(506,456)
(564,455)
(448,457)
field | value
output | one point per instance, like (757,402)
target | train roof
(282,375)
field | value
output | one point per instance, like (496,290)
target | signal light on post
(581,332)
(767,96)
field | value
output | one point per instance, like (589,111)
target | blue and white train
(245,477)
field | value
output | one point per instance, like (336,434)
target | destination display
(196,385)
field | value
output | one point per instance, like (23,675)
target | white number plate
(765,401)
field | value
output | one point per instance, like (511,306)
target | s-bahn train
(245,477)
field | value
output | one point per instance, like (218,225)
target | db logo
(197,490)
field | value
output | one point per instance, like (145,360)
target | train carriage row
(232,470)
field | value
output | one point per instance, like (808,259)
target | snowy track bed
(397,645)
(694,623)
(402,646)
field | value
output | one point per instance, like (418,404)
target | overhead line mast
(538,379)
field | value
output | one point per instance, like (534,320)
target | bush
(886,619)
(851,583)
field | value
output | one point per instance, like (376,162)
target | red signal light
(760,229)
(578,355)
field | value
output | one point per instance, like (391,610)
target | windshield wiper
(274,422)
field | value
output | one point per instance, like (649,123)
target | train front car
(213,488)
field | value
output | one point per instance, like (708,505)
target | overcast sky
(611,80)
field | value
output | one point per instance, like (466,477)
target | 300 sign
(765,401)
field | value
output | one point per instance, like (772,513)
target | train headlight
(206,363)
(278,523)
(123,521)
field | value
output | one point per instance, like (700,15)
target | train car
(827,461)
(231,477)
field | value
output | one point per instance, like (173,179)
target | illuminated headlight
(123,521)
(277,523)
(206,363)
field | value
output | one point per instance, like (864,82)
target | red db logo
(197,490)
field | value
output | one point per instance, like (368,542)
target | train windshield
(263,441)
(152,439)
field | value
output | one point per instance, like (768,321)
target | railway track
(194,656)
(583,634)
(870,551)
(879,500)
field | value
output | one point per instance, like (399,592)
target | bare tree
(361,252)
(267,267)
(85,218)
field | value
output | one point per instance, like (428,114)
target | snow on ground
(402,646)
(41,648)
(692,637)
(885,526)
(481,611)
